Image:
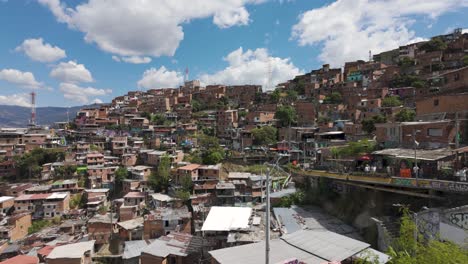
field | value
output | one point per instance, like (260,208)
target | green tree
(93,147)
(300,87)
(354,148)
(465,60)
(158,119)
(368,124)
(211,151)
(160,179)
(265,135)
(29,164)
(242,113)
(213,157)
(405,115)
(406,62)
(323,119)
(38,225)
(334,98)
(391,101)
(77,201)
(196,105)
(292,95)
(186,183)
(275,96)
(286,115)
(434,44)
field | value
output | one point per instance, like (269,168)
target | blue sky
(74,53)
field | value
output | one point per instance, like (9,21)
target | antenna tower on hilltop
(32,121)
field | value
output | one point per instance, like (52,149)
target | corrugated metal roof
(325,244)
(421,154)
(133,248)
(75,250)
(255,253)
(285,217)
(224,218)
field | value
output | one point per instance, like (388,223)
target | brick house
(94,159)
(46,205)
(190,170)
(433,134)
(6,203)
(16,227)
(162,221)
(226,120)
(99,175)
(209,171)
(101,226)
(305,113)
(140,172)
(449,103)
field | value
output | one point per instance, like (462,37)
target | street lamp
(267,208)
(415,144)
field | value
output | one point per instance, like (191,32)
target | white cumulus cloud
(160,78)
(71,72)
(37,50)
(348,29)
(145,28)
(80,94)
(132,59)
(253,67)
(229,18)
(17,77)
(22,99)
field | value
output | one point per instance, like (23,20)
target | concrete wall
(446,224)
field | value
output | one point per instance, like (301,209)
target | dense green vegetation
(408,80)
(434,44)
(160,179)
(391,101)
(38,225)
(120,175)
(368,124)
(354,148)
(286,115)
(30,164)
(405,115)
(333,98)
(411,249)
(265,135)
(212,152)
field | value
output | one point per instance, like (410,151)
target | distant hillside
(18,116)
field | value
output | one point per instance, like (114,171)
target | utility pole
(267,224)
(457,131)
(415,157)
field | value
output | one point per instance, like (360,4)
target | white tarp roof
(224,218)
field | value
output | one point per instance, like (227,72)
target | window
(166,223)
(436,102)
(435,132)
(456,77)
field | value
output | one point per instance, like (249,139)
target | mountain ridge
(18,116)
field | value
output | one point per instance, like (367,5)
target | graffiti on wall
(431,184)
(428,223)
(404,181)
(459,219)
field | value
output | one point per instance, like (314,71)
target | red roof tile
(21,259)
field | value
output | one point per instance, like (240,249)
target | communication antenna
(269,74)
(32,121)
(186,74)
